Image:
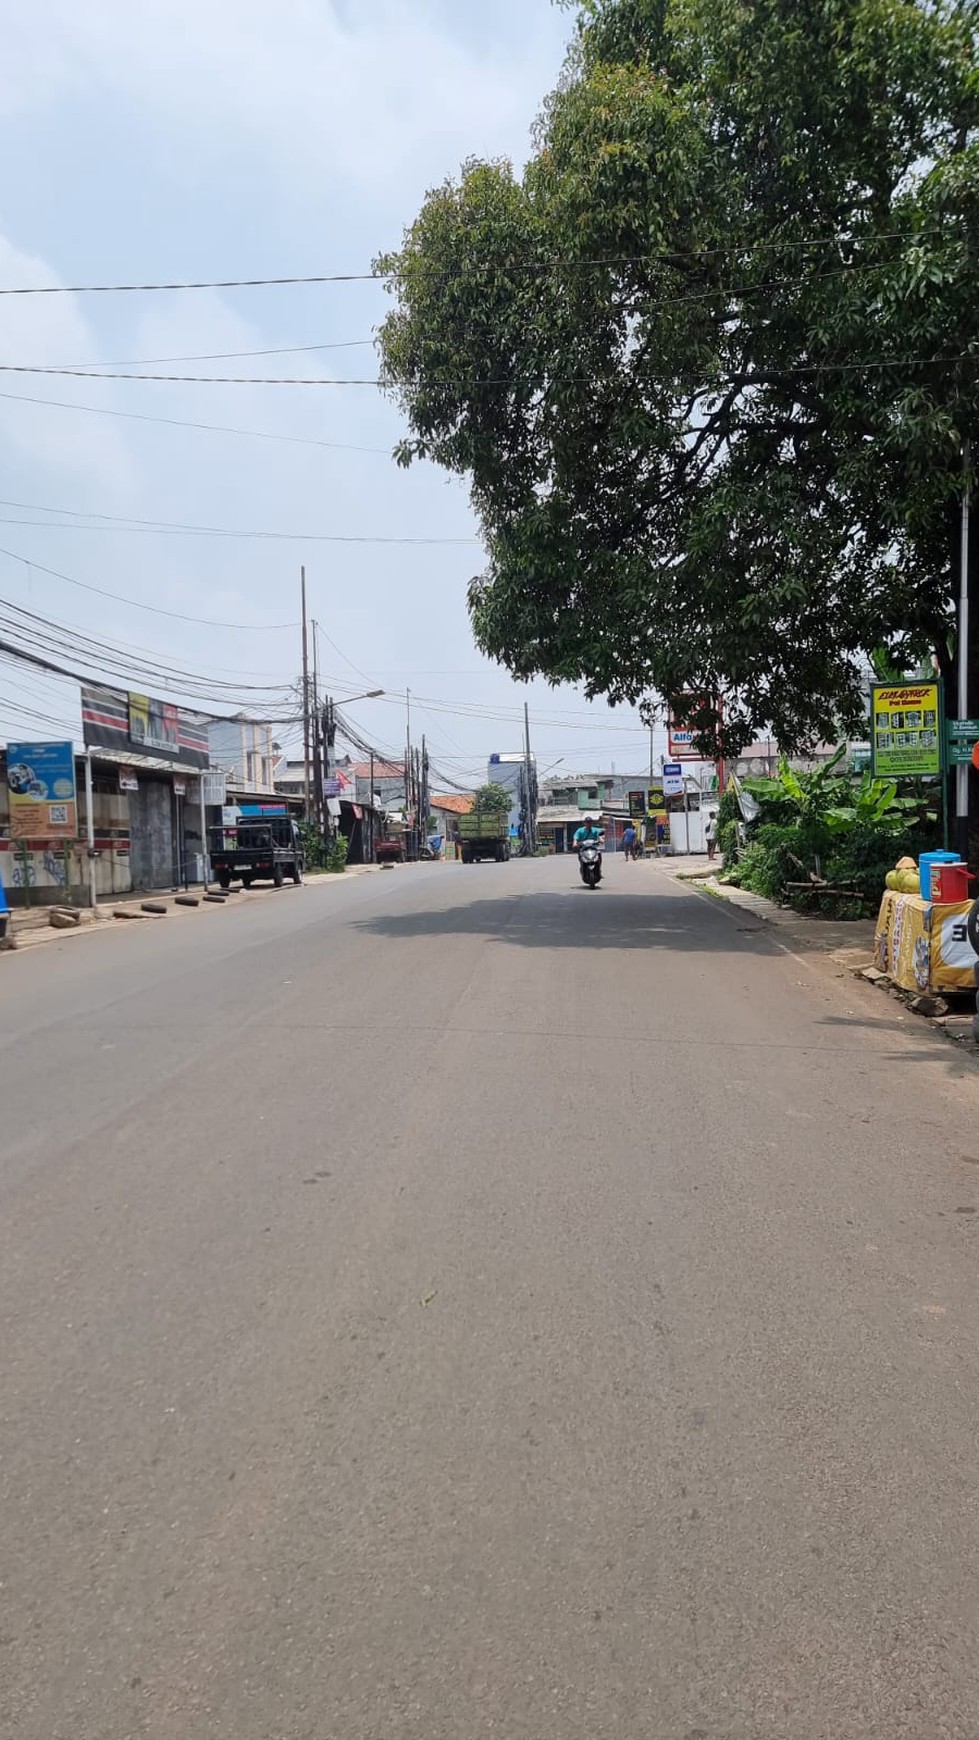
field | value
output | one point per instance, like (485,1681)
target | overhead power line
(675,256)
(120,522)
(185,423)
(138,604)
(478,381)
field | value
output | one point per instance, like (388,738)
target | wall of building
(244,751)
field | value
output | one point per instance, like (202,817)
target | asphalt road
(449,1304)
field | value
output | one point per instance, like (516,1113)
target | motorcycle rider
(589,831)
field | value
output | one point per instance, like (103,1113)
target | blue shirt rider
(589,831)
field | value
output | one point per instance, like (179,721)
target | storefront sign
(637,803)
(673,780)
(680,738)
(115,720)
(128,779)
(180,788)
(905,739)
(655,799)
(41,784)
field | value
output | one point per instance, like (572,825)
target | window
(250,767)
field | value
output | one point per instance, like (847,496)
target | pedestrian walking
(629,841)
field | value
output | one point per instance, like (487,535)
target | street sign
(672,779)
(961,753)
(964,728)
(904,730)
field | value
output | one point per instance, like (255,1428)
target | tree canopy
(493,798)
(711,360)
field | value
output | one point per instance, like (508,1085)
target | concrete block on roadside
(65,917)
(874,976)
(929,1005)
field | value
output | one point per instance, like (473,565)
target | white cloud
(370,98)
(52,331)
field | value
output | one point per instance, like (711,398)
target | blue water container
(925,863)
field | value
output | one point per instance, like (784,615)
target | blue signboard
(41,784)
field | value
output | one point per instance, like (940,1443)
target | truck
(265,848)
(484,834)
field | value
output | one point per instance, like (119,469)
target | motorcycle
(590,863)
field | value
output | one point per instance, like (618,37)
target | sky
(198,140)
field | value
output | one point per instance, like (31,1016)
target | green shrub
(766,865)
(336,856)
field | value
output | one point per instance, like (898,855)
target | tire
(972,925)
(246,882)
(224,878)
(277,876)
(297,874)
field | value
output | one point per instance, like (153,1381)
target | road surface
(449,1305)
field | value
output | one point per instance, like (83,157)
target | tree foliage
(710,361)
(493,798)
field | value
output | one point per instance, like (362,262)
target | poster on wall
(154,724)
(41,787)
(905,730)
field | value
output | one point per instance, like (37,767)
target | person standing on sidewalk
(710,835)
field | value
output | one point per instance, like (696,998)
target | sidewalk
(845,948)
(30,926)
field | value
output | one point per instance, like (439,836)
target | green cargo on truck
(484,834)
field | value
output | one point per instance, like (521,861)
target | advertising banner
(41,784)
(673,780)
(637,803)
(905,730)
(121,722)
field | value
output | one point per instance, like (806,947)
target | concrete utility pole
(302,588)
(530,814)
(962,772)
(319,807)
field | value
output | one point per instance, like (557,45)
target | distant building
(389,783)
(510,771)
(244,751)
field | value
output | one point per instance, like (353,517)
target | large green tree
(711,361)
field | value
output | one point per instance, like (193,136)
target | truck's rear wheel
(246,882)
(277,877)
(224,878)
(297,874)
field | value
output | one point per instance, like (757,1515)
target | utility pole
(423,807)
(329,743)
(302,587)
(962,772)
(371,809)
(530,814)
(318,738)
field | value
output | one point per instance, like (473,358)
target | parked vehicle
(590,863)
(260,849)
(484,834)
(389,851)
